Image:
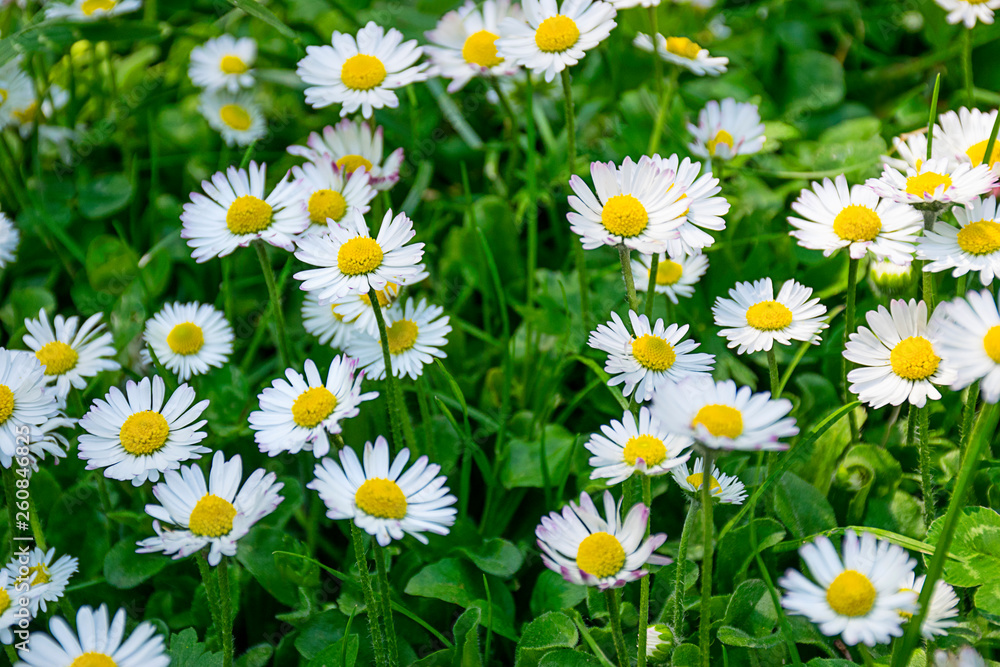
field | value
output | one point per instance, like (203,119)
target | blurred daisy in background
(90,10)
(24,403)
(416,333)
(969,11)
(68,351)
(16,92)
(224,62)
(9,238)
(357,311)
(704,209)
(943,608)
(188,338)
(11,609)
(236,116)
(674,277)
(328,193)
(727,489)
(352,144)
(968,338)
(937,184)
(46,577)
(463,44)
(683,52)
(324,322)
(912,149)
(967,657)
(965,134)
(757,319)
(727,129)
(974,246)
(626,447)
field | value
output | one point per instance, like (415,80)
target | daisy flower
(966,132)
(675,278)
(352,144)
(859,597)
(943,605)
(969,11)
(968,337)
(325,322)
(361,73)
(328,193)
(973,246)
(47,439)
(189,338)
(835,216)
(683,52)
(937,183)
(356,309)
(912,149)
(135,436)
(632,207)
(720,416)
(236,116)
(704,209)
(18,92)
(24,403)
(9,238)
(90,10)
(550,37)
(726,130)
(96,642)
(380,498)
(301,413)
(45,576)
(237,211)
(223,62)
(727,489)
(350,261)
(659,643)
(593,550)
(417,333)
(654,354)
(967,657)
(15,606)
(627,447)
(214,515)
(758,320)
(464,42)
(70,352)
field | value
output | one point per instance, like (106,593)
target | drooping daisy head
(655,354)
(968,12)
(381,498)
(214,515)
(718,415)
(224,62)
(965,134)
(9,238)
(417,333)
(858,595)
(727,129)
(674,277)
(328,193)
(362,72)
(68,351)
(237,211)
(703,207)
(24,403)
(683,52)
(90,10)
(552,36)
(593,550)
(632,207)
(972,247)
(189,338)
(136,435)
(935,185)
(835,216)
(352,144)
(724,488)
(755,319)
(627,446)
(324,321)
(898,357)
(943,607)
(234,115)
(888,279)
(16,92)
(968,338)
(45,575)
(463,44)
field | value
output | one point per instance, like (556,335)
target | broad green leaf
(124,568)
(977,541)
(523,467)
(751,611)
(495,556)
(801,506)
(256,656)
(553,593)
(321,631)
(450,579)
(466,632)
(257,10)
(186,651)
(111,265)
(568,658)
(988,600)
(256,554)
(22,303)
(735,551)
(686,655)
(548,632)
(341,653)
(104,196)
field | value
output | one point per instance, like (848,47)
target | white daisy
(16,92)
(24,403)
(632,207)
(300,413)
(189,338)
(550,37)
(46,579)
(628,4)
(236,116)
(834,216)
(653,355)
(727,129)
(967,657)
(417,333)
(593,550)
(9,238)
(627,447)
(969,11)
(727,489)
(324,322)
(135,436)
(936,183)
(720,416)
(70,352)
(350,261)
(968,337)
(463,44)
(859,597)
(352,144)
(683,52)
(380,498)
(704,209)
(15,607)
(47,439)
(757,319)
(356,309)
(675,278)
(898,357)
(943,608)
(363,73)
(965,134)
(328,193)
(90,10)
(214,515)
(912,149)
(237,211)
(224,62)
(973,246)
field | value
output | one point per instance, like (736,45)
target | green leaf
(988,600)
(523,467)
(256,656)
(686,655)
(735,552)
(495,556)
(111,265)
(568,658)
(261,12)
(814,81)
(341,653)
(466,631)
(256,554)
(553,593)
(801,506)
(546,633)
(124,568)
(187,651)
(977,541)
(104,196)
(22,303)
(450,579)
(750,617)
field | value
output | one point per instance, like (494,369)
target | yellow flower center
(6,403)
(402,335)
(248,215)
(41,575)
(362,72)
(381,498)
(144,433)
(4,600)
(337,316)
(721,137)
(913,358)
(649,448)
(556,34)
(668,272)
(359,255)
(313,406)
(350,163)
(236,117)
(384,298)
(186,338)
(325,204)
(232,65)
(624,215)
(88,8)
(991,343)
(697,478)
(480,49)
(977,152)
(600,555)
(653,352)
(28,114)
(926,183)
(3,95)
(769,316)
(720,420)
(212,517)
(851,594)
(980,238)
(683,47)
(857,223)
(92,659)
(57,357)
(905,614)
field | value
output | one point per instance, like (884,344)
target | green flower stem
(371,606)
(385,593)
(624,255)
(272,289)
(225,612)
(36,524)
(654,266)
(392,391)
(926,479)
(852,294)
(665,95)
(968,415)
(705,624)
(677,620)
(647,500)
(866,656)
(11,653)
(615,621)
(211,588)
(970,96)
(930,217)
(960,285)
(772,367)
